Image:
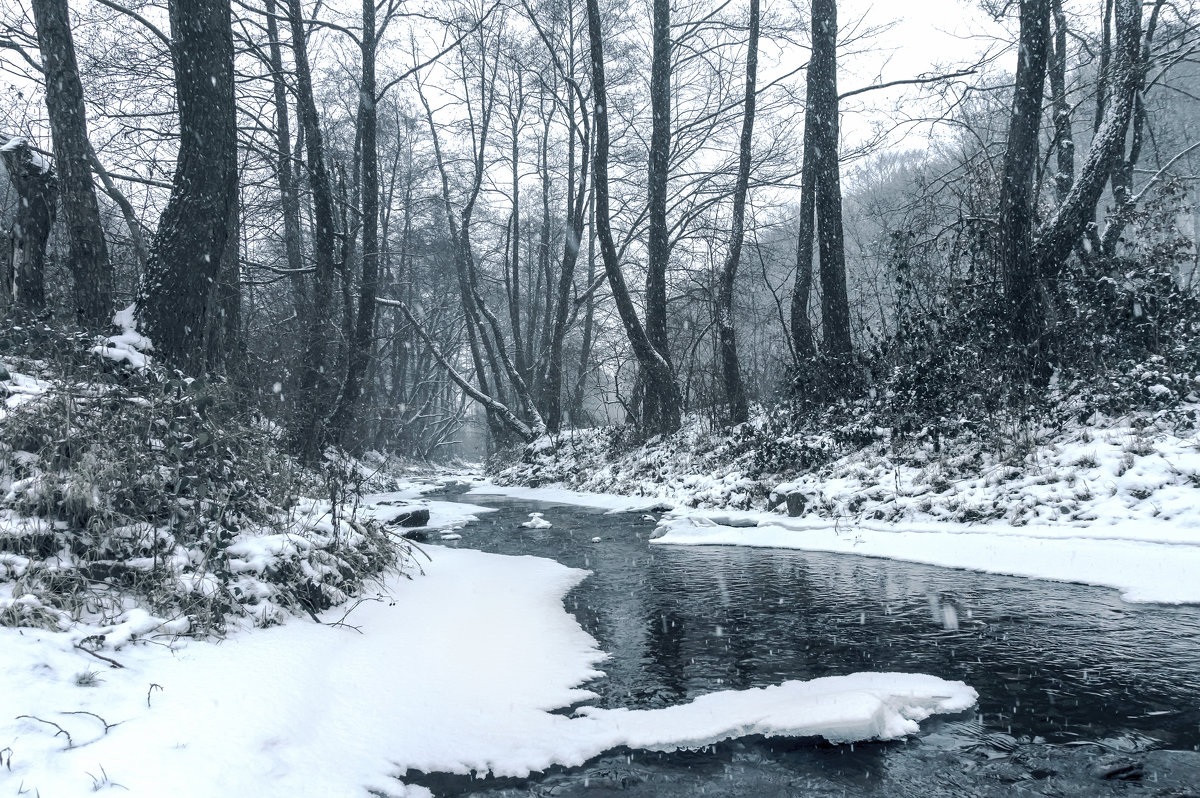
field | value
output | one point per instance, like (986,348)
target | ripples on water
(1054,664)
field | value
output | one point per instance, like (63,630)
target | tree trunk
(735,390)
(1064,141)
(803,341)
(88,261)
(1122,176)
(660,402)
(576,215)
(23,276)
(585,346)
(223,337)
(1058,235)
(287,187)
(1019,271)
(177,291)
(835,304)
(514,296)
(314,382)
(362,338)
(655,370)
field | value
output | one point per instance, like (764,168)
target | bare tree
(88,261)
(821,193)
(735,390)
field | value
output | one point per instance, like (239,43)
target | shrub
(117,483)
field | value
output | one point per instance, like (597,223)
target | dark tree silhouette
(22,274)
(182,280)
(88,258)
(735,390)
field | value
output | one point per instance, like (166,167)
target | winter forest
(551,396)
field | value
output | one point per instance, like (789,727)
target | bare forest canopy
(411,224)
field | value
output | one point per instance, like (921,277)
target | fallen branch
(510,418)
(112,662)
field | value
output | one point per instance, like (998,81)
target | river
(1080,693)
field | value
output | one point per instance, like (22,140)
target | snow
(1147,563)
(841,709)
(536,522)
(38,160)
(19,389)
(129,346)
(456,670)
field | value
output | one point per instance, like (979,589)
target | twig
(150,690)
(907,82)
(346,614)
(107,725)
(112,662)
(61,730)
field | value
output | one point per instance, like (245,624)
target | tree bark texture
(91,271)
(576,216)
(803,341)
(285,175)
(1064,141)
(1123,171)
(179,289)
(660,400)
(835,303)
(821,196)
(1060,233)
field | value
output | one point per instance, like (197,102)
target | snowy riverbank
(1153,560)
(1143,467)
(455,670)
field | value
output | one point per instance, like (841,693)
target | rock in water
(418,516)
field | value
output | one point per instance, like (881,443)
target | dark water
(1080,693)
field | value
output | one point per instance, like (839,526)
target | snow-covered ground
(1139,468)
(456,670)
(1148,560)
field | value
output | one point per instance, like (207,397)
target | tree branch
(907,82)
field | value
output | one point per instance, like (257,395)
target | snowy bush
(120,484)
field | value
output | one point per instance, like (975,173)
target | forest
(616,387)
(397,228)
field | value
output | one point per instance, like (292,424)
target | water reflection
(1053,663)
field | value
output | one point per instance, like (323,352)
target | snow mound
(16,389)
(537,522)
(840,709)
